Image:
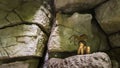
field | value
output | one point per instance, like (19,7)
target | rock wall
(46,33)
(24,30)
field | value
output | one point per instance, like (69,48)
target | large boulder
(22,40)
(24,11)
(24,28)
(108,16)
(70,6)
(95,60)
(65,36)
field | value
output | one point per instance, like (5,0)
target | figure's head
(83,37)
(82,41)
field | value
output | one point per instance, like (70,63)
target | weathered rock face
(21,64)
(21,40)
(25,27)
(95,60)
(115,40)
(108,16)
(21,11)
(69,6)
(65,35)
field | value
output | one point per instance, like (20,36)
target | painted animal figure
(77,39)
(83,49)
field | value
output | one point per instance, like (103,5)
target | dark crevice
(14,13)
(23,2)
(62,55)
(52,21)
(88,11)
(85,11)
(100,4)
(7,18)
(52,11)
(9,46)
(118,32)
(98,25)
(113,56)
(43,29)
(41,61)
(44,10)
(18,58)
(26,23)
(18,15)
(114,48)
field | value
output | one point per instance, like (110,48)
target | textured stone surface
(21,40)
(75,25)
(68,6)
(21,64)
(24,25)
(108,16)
(115,40)
(95,60)
(21,11)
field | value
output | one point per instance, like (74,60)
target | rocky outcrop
(95,60)
(24,11)
(108,16)
(22,40)
(25,27)
(70,6)
(65,36)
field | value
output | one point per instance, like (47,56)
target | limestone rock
(65,35)
(108,16)
(95,60)
(21,64)
(69,6)
(24,11)
(115,40)
(21,40)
